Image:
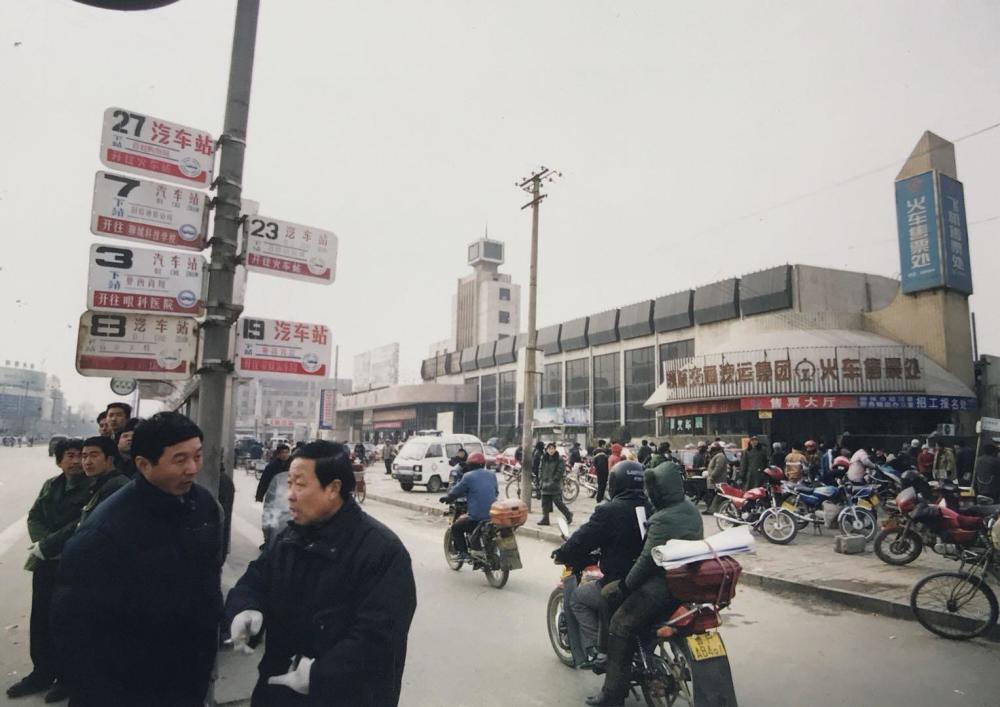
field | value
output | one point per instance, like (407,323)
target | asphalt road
(471,645)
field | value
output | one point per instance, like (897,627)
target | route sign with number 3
(140,210)
(146,346)
(142,144)
(143,280)
(290,250)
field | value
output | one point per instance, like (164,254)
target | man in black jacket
(336,591)
(614,530)
(600,462)
(644,453)
(138,596)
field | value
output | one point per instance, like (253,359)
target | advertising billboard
(378,368)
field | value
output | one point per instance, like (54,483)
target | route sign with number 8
(290,250)
(145,346)
(142,144)
(140,210)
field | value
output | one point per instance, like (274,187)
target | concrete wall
(825,290)
(937,320)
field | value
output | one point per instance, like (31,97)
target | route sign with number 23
(146,346)
(290,250)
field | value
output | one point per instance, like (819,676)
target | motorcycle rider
(643,595)
(479,487)
(614,530)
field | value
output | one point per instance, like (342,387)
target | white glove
(245,624)
(36,551)
(297,677)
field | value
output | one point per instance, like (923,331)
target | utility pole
(215,386)
(532,185)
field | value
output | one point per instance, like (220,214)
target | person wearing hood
(752,464)
(637,600)
(662,454)
(613,458)
(601,466)
(614,530)
(717,473)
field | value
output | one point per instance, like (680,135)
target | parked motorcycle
(492,544)
(586,477)
(678,658)
(857,517)
(919,524)
(757,508)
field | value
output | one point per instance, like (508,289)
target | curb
(853,600)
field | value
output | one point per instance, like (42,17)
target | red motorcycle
(757,508)
(941,526)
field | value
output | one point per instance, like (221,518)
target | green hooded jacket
(674,518)
(550,474)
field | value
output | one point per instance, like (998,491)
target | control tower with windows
(487,305)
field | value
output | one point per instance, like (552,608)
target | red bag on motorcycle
(706,581)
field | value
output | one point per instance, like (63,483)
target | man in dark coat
(138,597)
(551,471)
(753,461)
(601,468)
(278,464)
(58,504)
(614,530)
(987,473)
(644,453)
(336,591)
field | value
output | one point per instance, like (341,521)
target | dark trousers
(43,650)
(648,603)
(388,466)
(547,502)
(459,528)
(602,484)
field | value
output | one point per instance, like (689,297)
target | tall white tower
(487,305)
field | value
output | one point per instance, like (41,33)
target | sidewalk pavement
(808,566)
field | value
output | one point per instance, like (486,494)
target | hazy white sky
(683,130)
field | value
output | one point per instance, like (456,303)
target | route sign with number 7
(143,346)
(140,210)
(142,144)
(290,249)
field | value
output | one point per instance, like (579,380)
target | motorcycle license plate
(865,503)
(706,645)
(788,506)
(507,543)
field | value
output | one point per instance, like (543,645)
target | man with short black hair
(102,424)
(59,503)
(279,463)
(336,589)
(118,415)
(644,453)
(138,597)
(124,439)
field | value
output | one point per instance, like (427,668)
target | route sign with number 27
(147,346)
(290,250)
(142,144)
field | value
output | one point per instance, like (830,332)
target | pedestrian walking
(717,473)
(600,461)
(925,461)
(644,453)
(388,455)
(551,470)
(945,467)
(337,593)
(613,458)
(279,463)
(58,504)
(138,598)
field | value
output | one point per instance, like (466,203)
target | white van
(423,460)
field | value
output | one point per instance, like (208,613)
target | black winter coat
(341,593)
(136,611)
(600,461)
(614,529)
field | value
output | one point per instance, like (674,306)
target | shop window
(578,383)
(508,391)
(552,386)
(488,406)
(607,395)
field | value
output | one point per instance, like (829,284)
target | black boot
(616,678)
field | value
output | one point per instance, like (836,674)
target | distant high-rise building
(487,305)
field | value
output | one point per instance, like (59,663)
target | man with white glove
(245,626)
(336,589)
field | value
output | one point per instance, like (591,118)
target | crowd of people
(126,558)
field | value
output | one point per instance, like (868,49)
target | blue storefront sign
(919,241)
(954,235)
(915,402)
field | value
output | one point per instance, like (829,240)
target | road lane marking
(13,533)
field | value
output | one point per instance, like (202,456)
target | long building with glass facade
(790,352)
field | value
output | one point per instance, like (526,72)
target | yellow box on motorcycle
(711,580)
(509,513)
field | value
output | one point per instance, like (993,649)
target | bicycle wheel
(513,488)
(954,605)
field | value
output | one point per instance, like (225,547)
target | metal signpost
(142,144)
(290,250)
(140,210)
(143,280)
(270,347)
(127,345)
